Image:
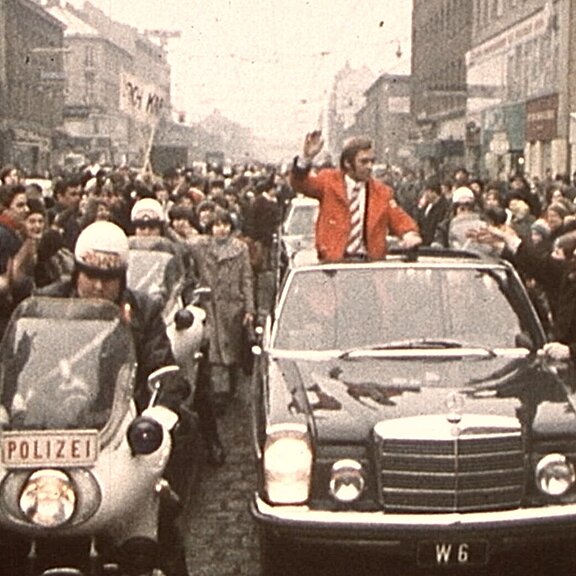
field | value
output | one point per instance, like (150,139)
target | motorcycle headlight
(48,498)
(346,480)
(287,464)
(554,475)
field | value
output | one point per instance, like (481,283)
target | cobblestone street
(221,534)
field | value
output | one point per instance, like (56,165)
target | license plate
(63,449)
(472,553)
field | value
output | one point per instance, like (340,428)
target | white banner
(145,102)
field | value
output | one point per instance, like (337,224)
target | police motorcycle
(81,473)
(157,267)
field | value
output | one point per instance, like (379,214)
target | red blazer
(382,216)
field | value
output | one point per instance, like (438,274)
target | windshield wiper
(417,344)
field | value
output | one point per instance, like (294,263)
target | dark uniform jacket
(429,220)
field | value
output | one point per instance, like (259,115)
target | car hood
(346,398)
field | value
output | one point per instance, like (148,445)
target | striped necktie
(355,239)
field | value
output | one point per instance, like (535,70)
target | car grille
(472,469)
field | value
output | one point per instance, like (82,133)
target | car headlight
(48,498)
(346,480)
(555,475)
(287,464)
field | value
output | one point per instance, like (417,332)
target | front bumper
(400,533)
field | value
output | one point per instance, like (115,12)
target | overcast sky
(265,63)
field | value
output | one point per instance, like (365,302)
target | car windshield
(301,220)
(65,364)
(426,307)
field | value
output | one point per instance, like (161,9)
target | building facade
(519,83)
(346,98)
(387,119)
(117,89)
(31,85)
(441,37)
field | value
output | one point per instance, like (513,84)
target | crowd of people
(467,213)
(226,219)
(75,242)
(224,223)
(38,232)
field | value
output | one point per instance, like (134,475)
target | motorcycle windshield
(65,364)
(159,274)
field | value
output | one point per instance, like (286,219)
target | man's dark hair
(434,184)
(63,184)
(351,149)
(496,216)
(181,213)
(223,216)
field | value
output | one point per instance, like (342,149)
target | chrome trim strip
(304,516)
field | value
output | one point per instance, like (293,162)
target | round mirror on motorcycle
(145,435)
(183,319)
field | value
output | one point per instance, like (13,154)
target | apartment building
(32,82)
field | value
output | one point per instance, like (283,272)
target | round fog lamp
(555,475)
(346,480)
(48,498)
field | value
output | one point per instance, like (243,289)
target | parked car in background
(298,229)
(401,407)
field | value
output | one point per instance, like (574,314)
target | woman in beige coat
(223,264)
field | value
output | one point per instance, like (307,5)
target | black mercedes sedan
(402,406)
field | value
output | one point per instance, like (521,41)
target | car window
(355,307)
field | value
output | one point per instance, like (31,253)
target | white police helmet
(463,195)
(147,210)
(102,247)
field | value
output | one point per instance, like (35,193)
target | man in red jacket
(356,213)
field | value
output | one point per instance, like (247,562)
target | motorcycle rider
(148,221)
(101,260)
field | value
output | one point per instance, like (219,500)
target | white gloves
(556,351)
